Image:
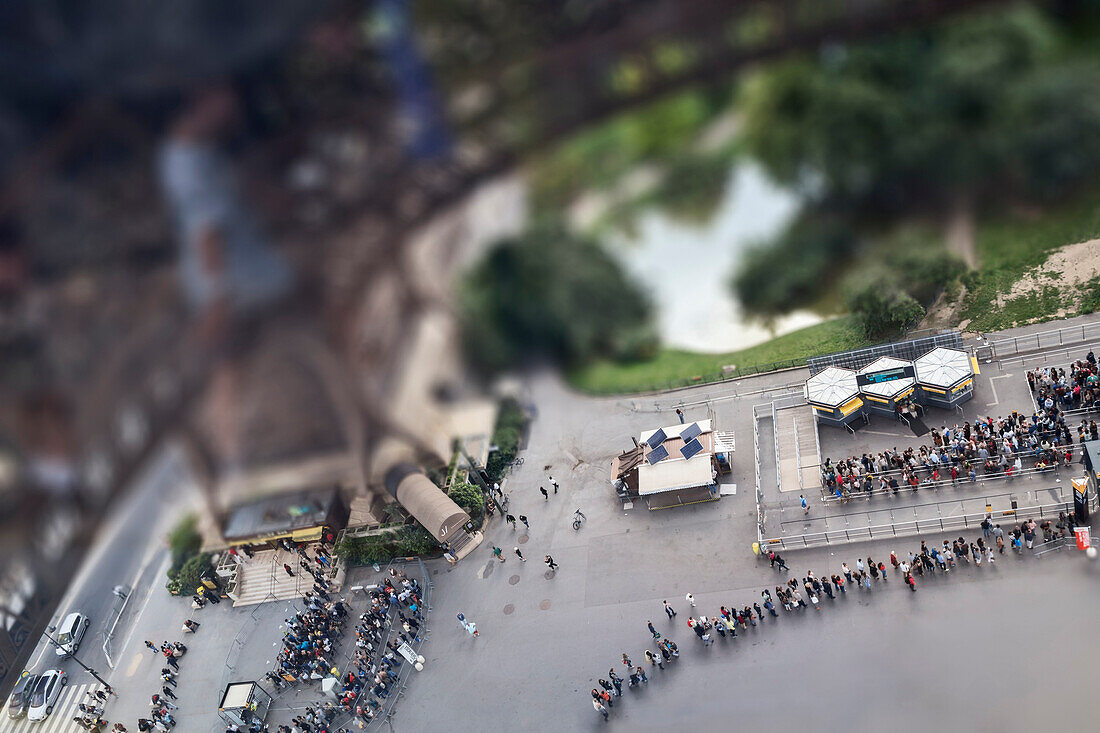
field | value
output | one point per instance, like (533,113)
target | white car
(70,634)
(45,694)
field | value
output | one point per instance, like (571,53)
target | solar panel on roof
(691,432)
(657,438)
(691,449)
(657,454)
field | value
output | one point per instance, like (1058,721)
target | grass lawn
(675,368)
(1009,246)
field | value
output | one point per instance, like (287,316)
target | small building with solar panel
(674,465)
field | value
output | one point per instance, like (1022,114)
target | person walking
(626,662)
(523,519)
(690,599)
(497,554)
(641,673)
(167,692)
(550,563)
(847,571)
(599,708)
(656,634)
(510,520)
(882,569)
(680,414)
(805,506)
(669,611)
(615,680)
(553,482)
(288,570)
(654,659)
(545,496)
(152,646)
(519,554)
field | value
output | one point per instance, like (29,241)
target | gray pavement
(546,636)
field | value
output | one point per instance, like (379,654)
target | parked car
(21,696)
(70,634)
(45,694)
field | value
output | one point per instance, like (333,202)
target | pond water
(686,269)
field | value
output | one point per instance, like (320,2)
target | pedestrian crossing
(59,721)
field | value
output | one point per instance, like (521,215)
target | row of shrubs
(189,563)
(507,435)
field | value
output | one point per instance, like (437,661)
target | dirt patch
(1067,269)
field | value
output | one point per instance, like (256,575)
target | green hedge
(511,422)
(406,541)
(469,497)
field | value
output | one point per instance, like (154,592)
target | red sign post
(1082,534)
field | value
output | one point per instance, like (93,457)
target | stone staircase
(262,578)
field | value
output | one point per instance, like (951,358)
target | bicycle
(578,519)
(504,502)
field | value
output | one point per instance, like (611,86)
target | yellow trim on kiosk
(974,365)
(933,389)
(851,406)
(962,386)
(876,399)
(307,535)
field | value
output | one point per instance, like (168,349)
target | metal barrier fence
(759,492)
(830,497)
(1059,358)
(905,350)
(385,715)
(913,527)
(1043,340)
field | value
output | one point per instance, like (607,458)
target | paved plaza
(974,646)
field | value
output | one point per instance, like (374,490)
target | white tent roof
(675,473)
(886,389)
(832,387)
(943,367)
(237,695)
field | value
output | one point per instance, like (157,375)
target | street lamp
(87,669)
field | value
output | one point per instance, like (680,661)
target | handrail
(1014,342)
(775,435)
(925,483)
(797,455)
(901,529)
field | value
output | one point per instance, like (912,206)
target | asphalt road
(127,551)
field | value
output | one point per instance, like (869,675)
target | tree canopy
(980,107)
(998,106)
(554,294)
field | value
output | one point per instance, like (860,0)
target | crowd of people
(1077,389)
(161,704)
(394,617)
(1001,446)
(820,590)
(91,710)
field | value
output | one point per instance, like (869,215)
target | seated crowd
(1054,387)
(1005,445)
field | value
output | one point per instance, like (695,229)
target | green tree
(915,120)
(884,312)
(184,540)
(551,293)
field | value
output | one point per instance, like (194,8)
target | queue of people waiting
(825,590)
(1003,446)
(1054,387)
(312,636)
